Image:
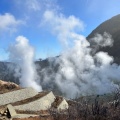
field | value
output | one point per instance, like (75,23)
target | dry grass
(88,111)
(33,118)
(57,101)
(8,87)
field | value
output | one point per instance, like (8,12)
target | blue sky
(26,17)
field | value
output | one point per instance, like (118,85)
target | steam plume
(79,72)
(23,55)
(102,40)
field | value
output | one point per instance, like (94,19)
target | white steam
(79,72)
(102,40)
(23,55)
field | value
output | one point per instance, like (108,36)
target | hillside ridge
(111,26)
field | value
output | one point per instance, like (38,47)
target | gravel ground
(41,104)
(17,95)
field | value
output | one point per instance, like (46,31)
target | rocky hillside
(7,72)
(111,26)
(8,86)
(28,104)
(16,102)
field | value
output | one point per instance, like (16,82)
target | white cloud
(9,23)
(33,5)
(61,25)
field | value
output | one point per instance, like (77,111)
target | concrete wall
(41,104)
(17,95)
(63,105)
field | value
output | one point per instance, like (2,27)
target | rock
(11,110)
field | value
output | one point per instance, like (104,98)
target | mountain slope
(111,26)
